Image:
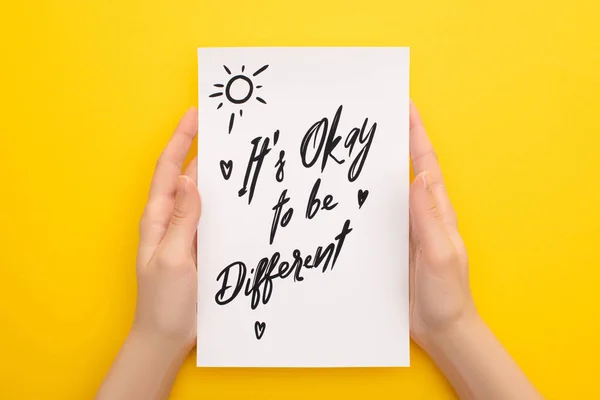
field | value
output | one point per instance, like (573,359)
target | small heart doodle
(226,168)
(362,197)
(259,329)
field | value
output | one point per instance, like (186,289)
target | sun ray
(227,69)
(261,100)
(231,119)
(219,85)
(243,68)
(216,94)
(261,69)
(259,86)
(220,105)
(241,112)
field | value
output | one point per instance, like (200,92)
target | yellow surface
(510,93)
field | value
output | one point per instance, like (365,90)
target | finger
(433,236)
(413,240)
(153,226)
(424,158)
(159,207)
(412,253)
(170,162)
(195,249)
(422,153)
(182,228)
(191,171)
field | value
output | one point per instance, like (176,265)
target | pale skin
(444,319)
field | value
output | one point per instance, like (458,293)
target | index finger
(424,158)
(170,162)
(422,153)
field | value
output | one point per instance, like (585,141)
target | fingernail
(182,185)
(426,182)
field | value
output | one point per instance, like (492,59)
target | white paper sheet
(273,124)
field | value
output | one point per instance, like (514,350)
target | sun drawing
(238,90)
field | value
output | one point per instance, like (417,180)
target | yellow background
(91,90)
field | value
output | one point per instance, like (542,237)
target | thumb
(186,214)
(434,240)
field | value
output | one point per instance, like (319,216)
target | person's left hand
(166,259)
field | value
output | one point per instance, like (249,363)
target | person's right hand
(443,317)
(439,282)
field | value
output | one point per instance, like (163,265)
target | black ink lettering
(325,139)
(254,159)
(260,277)
(241,275)
(332,249)
(312,207)
(297,266)
(341,237)
(313,130)
(287,216)
(260,286)
(280,165)
(364,138)
(328,142)
(284,270)
(307,263)
(327,203)
(332,140)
